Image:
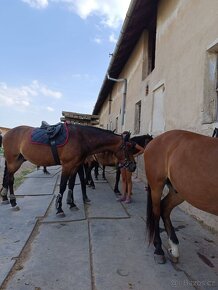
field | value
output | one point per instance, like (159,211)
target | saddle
(51,130)
(53,135)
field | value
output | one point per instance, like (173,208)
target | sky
(54,55)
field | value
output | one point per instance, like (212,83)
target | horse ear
(114,131)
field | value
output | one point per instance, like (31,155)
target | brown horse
(188,164)
(80,142)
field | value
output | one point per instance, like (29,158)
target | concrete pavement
(101,246)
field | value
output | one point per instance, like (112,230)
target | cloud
(38,4)
(22,97)
(97,40)
(112,13)
(112,38)
(50,109)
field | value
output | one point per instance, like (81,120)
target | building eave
(137,19)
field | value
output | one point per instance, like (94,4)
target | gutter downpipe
(123,108)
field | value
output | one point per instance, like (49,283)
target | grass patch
(19,177)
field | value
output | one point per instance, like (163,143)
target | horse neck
(98,140)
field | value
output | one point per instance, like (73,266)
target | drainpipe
(124,96)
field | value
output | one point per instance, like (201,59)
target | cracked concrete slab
(16,227)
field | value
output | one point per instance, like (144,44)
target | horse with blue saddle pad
(73,143)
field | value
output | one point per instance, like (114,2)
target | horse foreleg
(58,203)
(167,204)
(83,184)
(89,180)
(70,197)
(116,186)
(96,170)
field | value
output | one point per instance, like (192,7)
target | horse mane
(94,128)
(141,140)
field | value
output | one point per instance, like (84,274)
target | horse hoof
(73,208)
(87,200)
(15,208)
(60,213)
(159,259)
(116,191)
(172,258)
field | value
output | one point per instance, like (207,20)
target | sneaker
(123,198)
(128,200)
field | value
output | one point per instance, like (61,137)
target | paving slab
(16,227)
(37,186)
(59,259)
(122,259)
(198,248)
(104,203)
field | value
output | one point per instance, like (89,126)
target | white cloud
(22,97)
(112,38)
(112,13)
(38,4)
(50,109)
(97,40)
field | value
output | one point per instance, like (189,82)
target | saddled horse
(80,141)
(109,159)
(188,164)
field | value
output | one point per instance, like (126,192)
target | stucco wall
(185,31)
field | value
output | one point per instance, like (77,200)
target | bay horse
(109,159)
(187,163)
(81,141)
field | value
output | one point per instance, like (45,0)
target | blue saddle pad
(40,136)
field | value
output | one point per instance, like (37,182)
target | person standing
(126,175)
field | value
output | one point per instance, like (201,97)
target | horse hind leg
(4,189)
(167,204)
(153,218)
(8,180)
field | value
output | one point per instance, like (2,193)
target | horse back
(190,161)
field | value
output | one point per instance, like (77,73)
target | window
(137,117)
(149,47)
(210,101)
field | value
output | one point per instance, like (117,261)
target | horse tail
(150,217)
